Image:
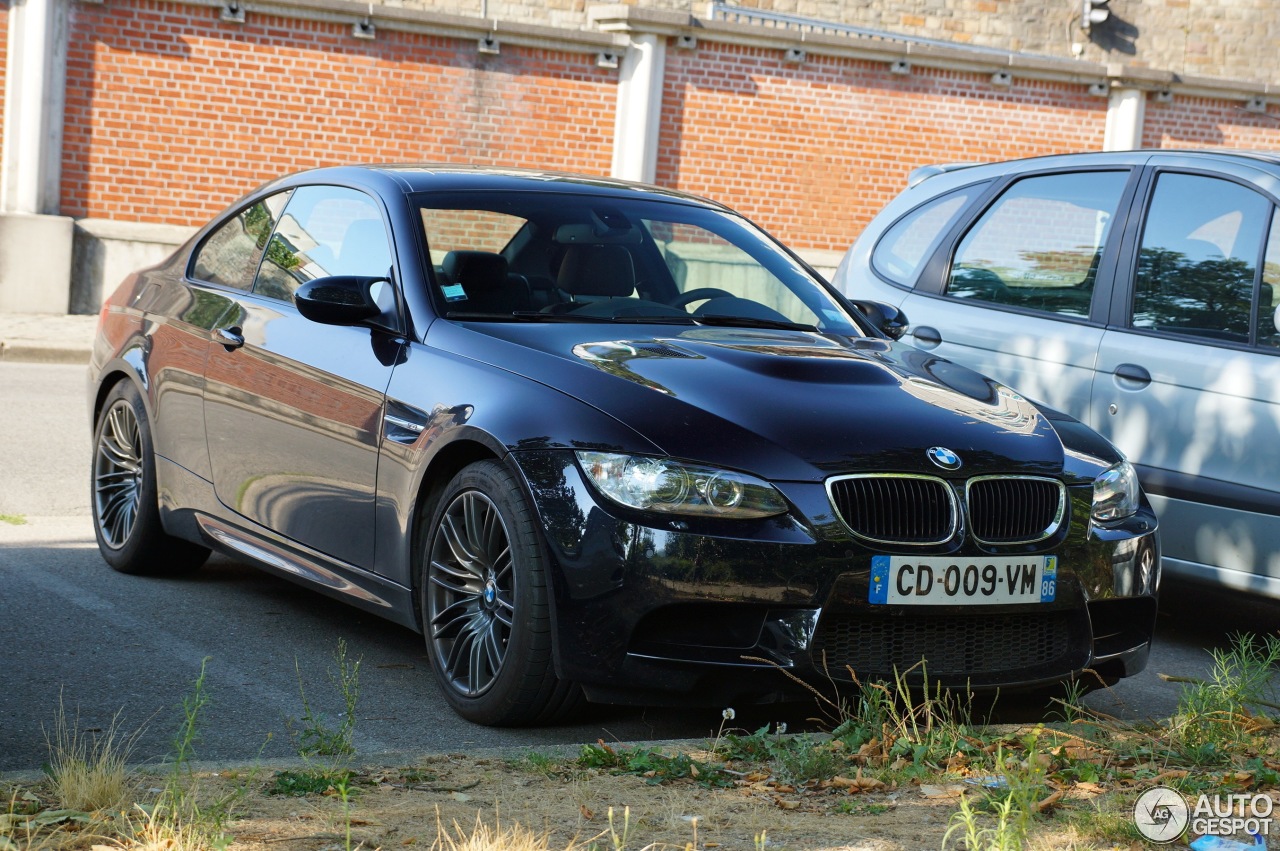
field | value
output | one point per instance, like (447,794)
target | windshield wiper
(751,322)
(537,316)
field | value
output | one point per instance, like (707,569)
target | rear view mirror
(338,300)
(887,319)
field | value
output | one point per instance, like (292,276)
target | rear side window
(908,244)
(1198,261)
(230,255)
(1038,246)
(325,230)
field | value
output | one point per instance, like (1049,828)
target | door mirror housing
(338,299)
(887,319)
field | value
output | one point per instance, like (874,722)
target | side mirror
(890,321)
(338,300)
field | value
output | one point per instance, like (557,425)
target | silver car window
(1038,246)
(1198,258)
(905,246)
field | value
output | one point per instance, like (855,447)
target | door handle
(229,338)
(927,336)
(1130,376)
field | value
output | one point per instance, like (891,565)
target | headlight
(1115,493)
(659,484)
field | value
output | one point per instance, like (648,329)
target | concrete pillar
(35,242)
(1125,113)
(635,129)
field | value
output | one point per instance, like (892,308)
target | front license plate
(910,581)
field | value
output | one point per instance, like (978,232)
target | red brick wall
(172,113)
(1204,123)
(812,151)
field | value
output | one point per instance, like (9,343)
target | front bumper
(656,610)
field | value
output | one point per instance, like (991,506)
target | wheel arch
(130,365)
(443,466)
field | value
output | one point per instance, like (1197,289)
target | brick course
(1191,122)
(171,113)
(811,152)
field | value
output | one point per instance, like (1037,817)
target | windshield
(562,257)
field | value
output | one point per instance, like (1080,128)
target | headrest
(477,271)
(599,270)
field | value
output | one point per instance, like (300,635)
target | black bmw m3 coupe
(600,440)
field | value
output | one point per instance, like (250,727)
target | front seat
(594,273)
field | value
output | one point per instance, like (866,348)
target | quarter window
(906,245)
(325,230)
(230,255)
(1038,246)
(1198,259)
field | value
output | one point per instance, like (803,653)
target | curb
(37,353)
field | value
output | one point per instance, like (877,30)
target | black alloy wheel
(126,516)
(485,603)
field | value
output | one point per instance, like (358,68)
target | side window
(1038,246)
(229,256)
(1198,258)
(325,230)
(1269,295)
(909,243)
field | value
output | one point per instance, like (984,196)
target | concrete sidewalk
(46,338)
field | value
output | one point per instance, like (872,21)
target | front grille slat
(896,509)
(952,646)
(918,510)
(1015,509)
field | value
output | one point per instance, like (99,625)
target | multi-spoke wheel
(117,474)
(485,603)
(126,518)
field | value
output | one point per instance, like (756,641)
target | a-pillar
(35,242)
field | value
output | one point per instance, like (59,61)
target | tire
(126,514)
(486,617)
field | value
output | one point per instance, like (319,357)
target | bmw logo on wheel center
(944,458)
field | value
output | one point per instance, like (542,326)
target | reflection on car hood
(784,404)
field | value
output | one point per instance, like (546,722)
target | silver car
(1136,291)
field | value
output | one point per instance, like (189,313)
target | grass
(1075,777)
(13,519)
(89,771)
(314,734)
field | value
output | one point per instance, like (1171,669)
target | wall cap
(619,18)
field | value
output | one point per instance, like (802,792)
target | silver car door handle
(229,338)
(927,335)
(1130,376)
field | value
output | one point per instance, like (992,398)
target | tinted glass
(906,246)
(1269,295)
(1039,245)
(583,257)
(325,230)
(230,255)
(1199,256)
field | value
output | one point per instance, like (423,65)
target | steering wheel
(699,294)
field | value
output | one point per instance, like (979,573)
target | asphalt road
(126,650)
